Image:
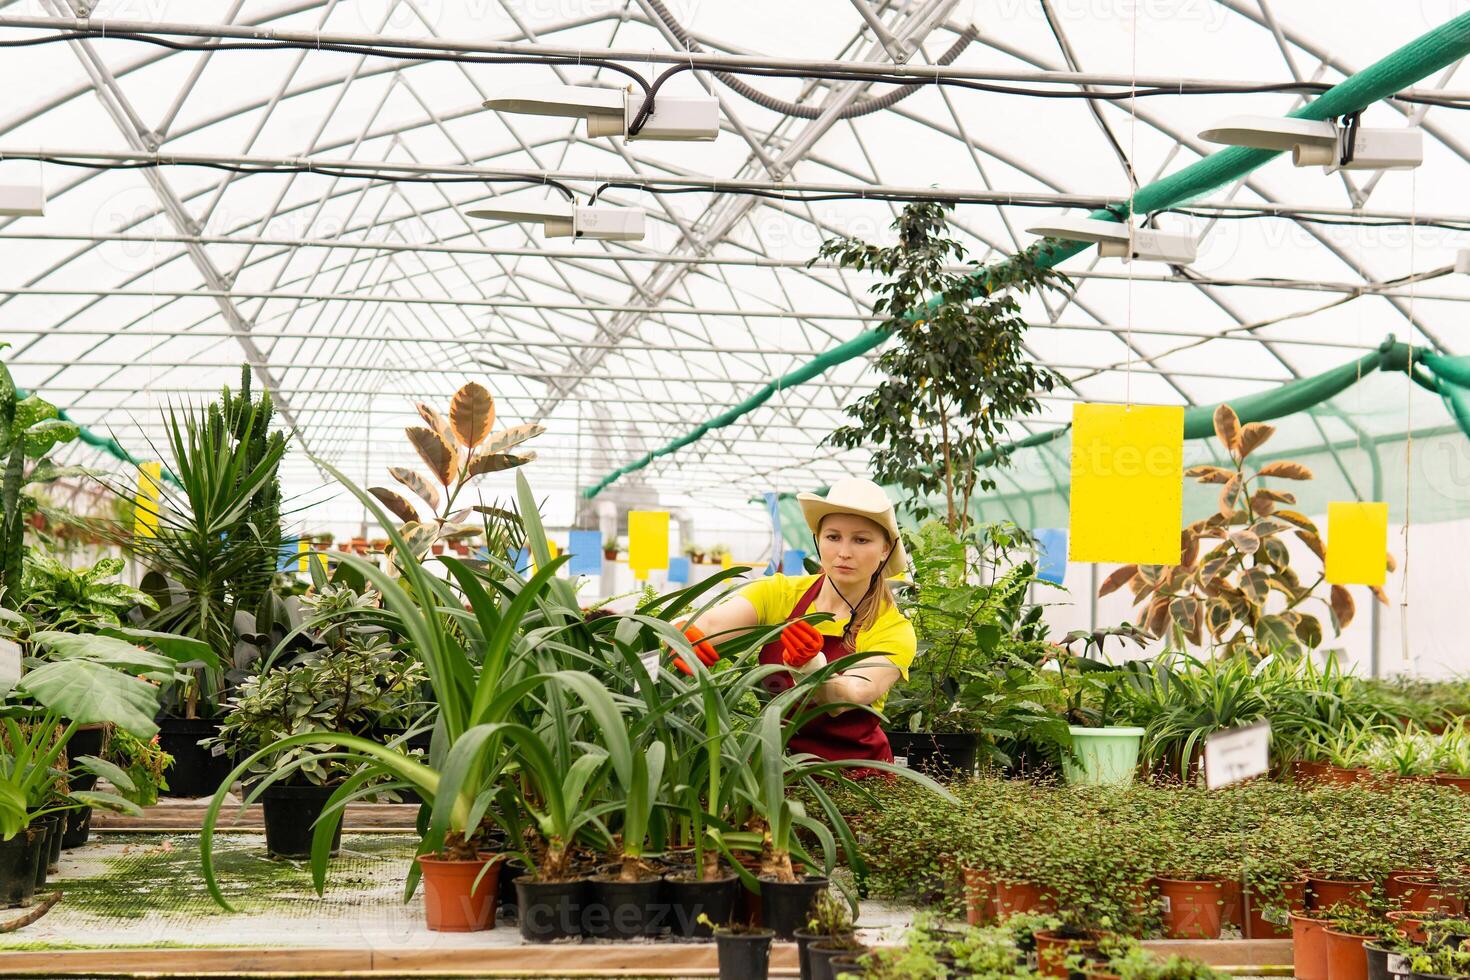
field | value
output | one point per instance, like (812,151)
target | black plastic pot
(84,741)
(290,812)
(78,827)
(848,966)
(507,907)
(744,955)
(688,899)
(942,754)
(804,941)
(821,957)
(1385,965)
(550,910)
(53,843)
(623,909)
(44,833)
(786,906)
(196,771)
(18,857)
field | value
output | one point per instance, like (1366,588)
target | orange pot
(1461,783)
(1411,924)
(1396,885)
(1305,773)
(1345,957)
(1191,907)
(1013,897)
(452,900)
(1308,947)
(1052,950)
(1326,891)
(1293,895)
(1339,776)
(1230,908)
(1426,893)
(979,897)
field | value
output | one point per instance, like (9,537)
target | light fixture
(1318,142)
(1113,239)
(611,111)
(22,200)
(568,219)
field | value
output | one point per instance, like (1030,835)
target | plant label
(1127,498)
(1398,965)
(9,665)
(217,750)
(1237,753)
(1166,904)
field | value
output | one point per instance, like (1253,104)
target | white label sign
(1237,753)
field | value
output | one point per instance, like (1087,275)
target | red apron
(851,734)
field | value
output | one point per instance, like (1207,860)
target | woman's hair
(875,600)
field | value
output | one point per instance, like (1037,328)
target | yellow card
(725,561)
(648,540)
(1357,543)
(1127,483)
(303,548)
(640,575)
(145,502)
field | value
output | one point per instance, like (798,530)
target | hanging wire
(1409,427)
(1132,197)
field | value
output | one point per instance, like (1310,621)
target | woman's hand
(800,642)
(703,649)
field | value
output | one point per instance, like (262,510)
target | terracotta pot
(1345,957)
(1340,776)
(979,897)
(1230,909)
(1013,897)
(1305,773)
(1396,885)
(1191,907)
(1308,947)
(1461,783)
(1326,891)
(1294,897)
(449,903)
(1052,950)
(1426,893)
(1411,924)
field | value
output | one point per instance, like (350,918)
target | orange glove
(703,649)
(800,642)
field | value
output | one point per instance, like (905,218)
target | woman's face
(851,549)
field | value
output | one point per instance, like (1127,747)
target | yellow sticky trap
(725,561)
(1357,543)
(145,502)
(640,575)
(648,540)
(552,548)
(1127,484)
(303,548)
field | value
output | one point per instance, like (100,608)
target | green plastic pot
(1107,756)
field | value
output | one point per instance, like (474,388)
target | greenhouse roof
(297,200)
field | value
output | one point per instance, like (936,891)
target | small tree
(957,373)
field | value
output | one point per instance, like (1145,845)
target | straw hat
(865,499)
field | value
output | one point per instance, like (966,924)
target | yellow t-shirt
(892,636)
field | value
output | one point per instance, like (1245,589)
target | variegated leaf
(1256,583)
(1253,435)
(1343,608)
(1295,517)
(1188,549)
(1117,579)
(400,507)
(1275,553)
(1378,593)
(1265,501)
(434,451)
(427,492)
(1393,564)
(1185,612)
(1209,474)
(1315,543)
(1228,494)
(483,464)
(1227,428)
(1247,541)
(1266,528)
(436,422)
(1285,470)
(1158,615)
(472,414)
(1309,631)
(508,439)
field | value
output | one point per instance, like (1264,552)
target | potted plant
(610,549)
(829,934)
(1349,928)
(1102,752)
(744,951)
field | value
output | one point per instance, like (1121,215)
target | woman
(858,544)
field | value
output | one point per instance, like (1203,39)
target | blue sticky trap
(585,548)
(288,558)
(1051,554)
(792,562)
(678,571)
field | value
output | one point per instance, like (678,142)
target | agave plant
(1225,591)
(456,451)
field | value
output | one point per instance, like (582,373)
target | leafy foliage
(1226,593)
(957,372)
(61,598)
